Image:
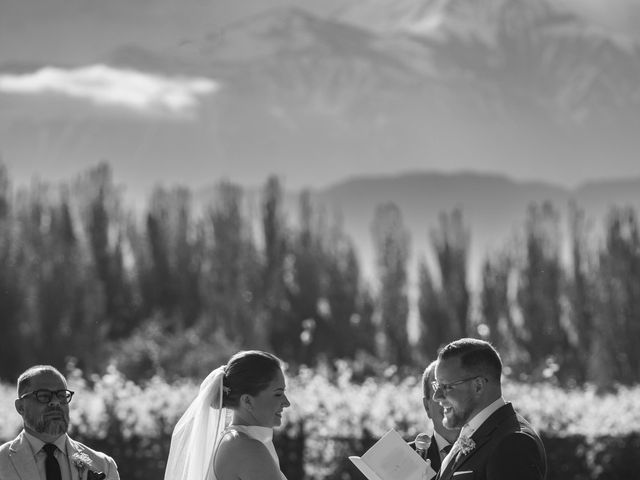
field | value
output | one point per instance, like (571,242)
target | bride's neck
(242,418)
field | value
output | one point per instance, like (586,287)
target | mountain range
(527,89)
(518,87)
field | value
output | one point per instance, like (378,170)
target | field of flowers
(330,407)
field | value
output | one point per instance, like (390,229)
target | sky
(78,33)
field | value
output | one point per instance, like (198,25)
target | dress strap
(211,474)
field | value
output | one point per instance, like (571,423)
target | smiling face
(434,410)
(44,420)
(461,402)
(267,406)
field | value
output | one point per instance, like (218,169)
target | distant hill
(494,207)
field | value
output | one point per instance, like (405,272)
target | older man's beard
(49,425)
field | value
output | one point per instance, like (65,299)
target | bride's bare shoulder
(240,456)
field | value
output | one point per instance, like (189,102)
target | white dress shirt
(441,443)
(40,455)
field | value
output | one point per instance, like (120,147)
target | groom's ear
(478,384)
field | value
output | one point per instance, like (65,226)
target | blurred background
(347,184)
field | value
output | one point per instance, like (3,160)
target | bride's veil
(198,432)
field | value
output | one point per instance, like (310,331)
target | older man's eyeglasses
(445,388)
(45,396)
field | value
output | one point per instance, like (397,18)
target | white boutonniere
(83,462)
(466,445)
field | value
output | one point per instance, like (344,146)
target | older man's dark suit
(506,448)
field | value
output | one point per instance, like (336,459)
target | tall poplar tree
(11,294)
(451,244)
(391,242)
(275,321)
(231,267)
(102,224)
(542,335)
(618,316)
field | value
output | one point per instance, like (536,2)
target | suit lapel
(480,437)
(460,458)
(74,447)
(23,458)
(446,473)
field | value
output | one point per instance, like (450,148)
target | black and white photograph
(319,239)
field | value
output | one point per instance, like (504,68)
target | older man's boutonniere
(466,444)
(83,462)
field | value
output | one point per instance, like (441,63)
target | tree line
(179,286)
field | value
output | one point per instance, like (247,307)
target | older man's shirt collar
(37,444)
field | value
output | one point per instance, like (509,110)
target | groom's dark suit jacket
(506,448)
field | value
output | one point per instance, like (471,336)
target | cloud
(106,86)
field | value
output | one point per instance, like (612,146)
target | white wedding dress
(263,434)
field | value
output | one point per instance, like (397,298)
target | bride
(205,446)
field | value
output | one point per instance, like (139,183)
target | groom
(495,443)
(43,451)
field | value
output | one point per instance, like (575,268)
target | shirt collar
(37,444)
(472,425)
(441,442)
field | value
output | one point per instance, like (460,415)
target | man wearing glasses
(433,447)
(43,450)
(494,443)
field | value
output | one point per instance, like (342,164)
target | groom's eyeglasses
(447,387)
(45,396)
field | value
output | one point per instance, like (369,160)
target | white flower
(466,444)
(81,461)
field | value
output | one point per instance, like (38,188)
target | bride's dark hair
(249,371)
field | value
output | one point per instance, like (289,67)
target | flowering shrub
(10,421)
(561,412)
(108,411)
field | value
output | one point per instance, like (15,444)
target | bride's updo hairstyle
(249,372)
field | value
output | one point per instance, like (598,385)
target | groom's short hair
(475,355)
(24,380)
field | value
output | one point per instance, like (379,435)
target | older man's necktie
(51,465)
(445,450)
(448,459)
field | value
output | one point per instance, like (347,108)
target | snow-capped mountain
(446,84)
